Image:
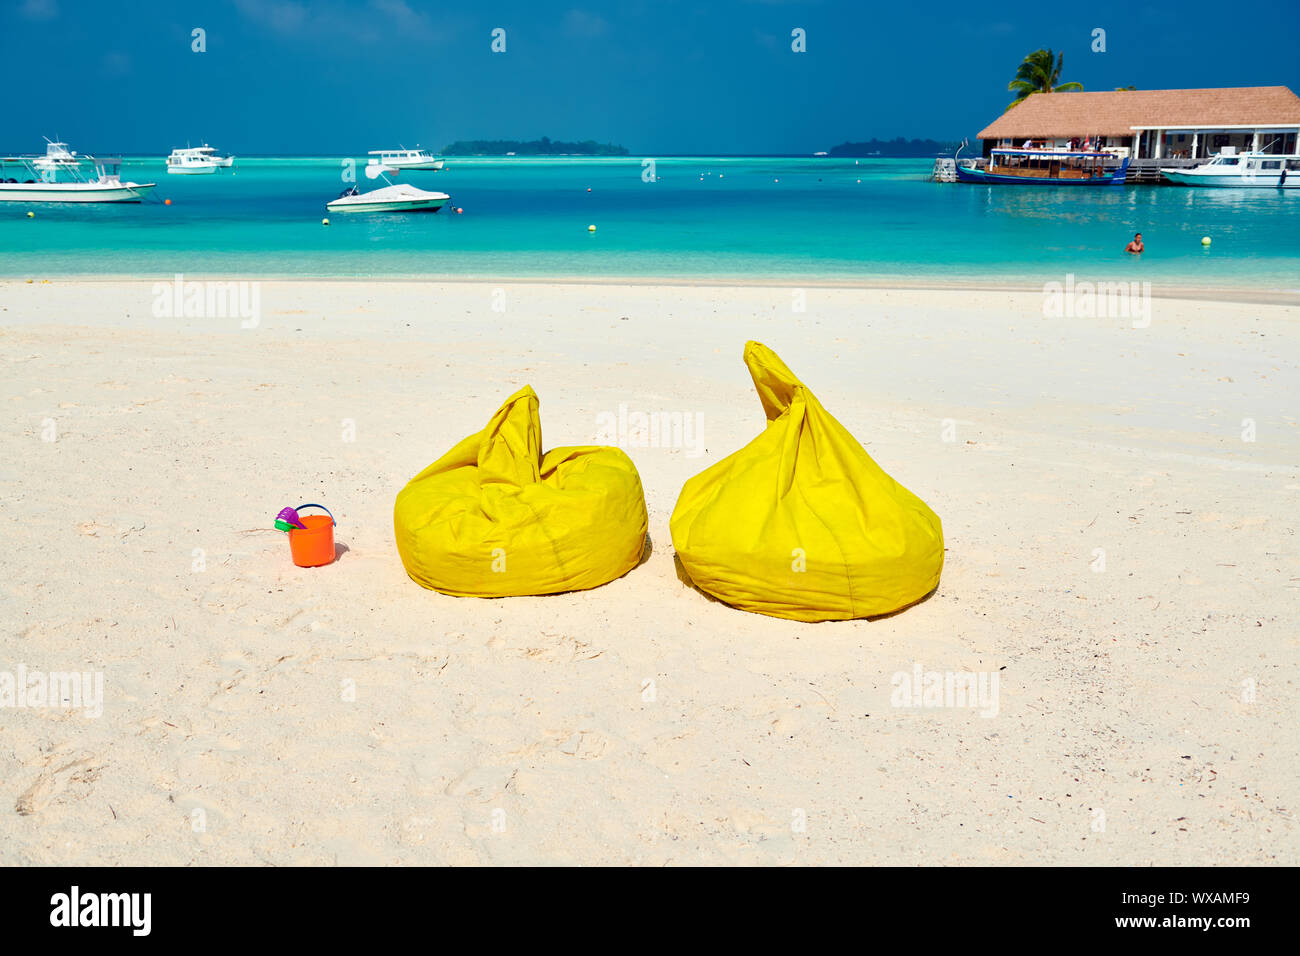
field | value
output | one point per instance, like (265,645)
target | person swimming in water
(1135,246)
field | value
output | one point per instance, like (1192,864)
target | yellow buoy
(324,222)
(1205,240)
(31,215)
(591,228)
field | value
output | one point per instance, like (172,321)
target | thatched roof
(1115,113)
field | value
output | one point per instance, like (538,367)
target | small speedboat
(395,197)
(399,197)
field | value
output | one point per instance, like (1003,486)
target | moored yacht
(44,184)
(405,159)
(1248,170)
(197,161)
(57,156)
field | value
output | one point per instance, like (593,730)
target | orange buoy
(167,202)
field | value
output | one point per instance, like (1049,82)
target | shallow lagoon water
(869,220)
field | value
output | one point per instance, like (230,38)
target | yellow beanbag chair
(494,517)
(801,523)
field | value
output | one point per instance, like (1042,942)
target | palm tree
(1040,73)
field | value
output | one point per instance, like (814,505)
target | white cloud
(39,9)
(283,16)
(366,22)
(116,63)
(580,23)
(401,14)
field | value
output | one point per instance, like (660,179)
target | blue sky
(339,76)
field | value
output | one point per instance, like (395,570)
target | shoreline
(1227,294)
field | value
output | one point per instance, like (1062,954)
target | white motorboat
(197,161)
(57,156)
(395,197)
(44,184)
(406,159)
(399,197)
(1247,170)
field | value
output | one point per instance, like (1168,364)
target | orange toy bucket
(313,546)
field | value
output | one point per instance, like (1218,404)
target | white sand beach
(1119,505)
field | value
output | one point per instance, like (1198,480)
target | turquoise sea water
(871,220)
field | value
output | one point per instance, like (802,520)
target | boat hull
(74,192)
(966,174)
(1258,181)
(427,164)
(395,197)
(204,170)
(409,205)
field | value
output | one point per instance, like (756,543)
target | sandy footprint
(63,773)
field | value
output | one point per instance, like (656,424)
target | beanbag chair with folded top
(495,517)
(801,523)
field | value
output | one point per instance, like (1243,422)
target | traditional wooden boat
(1046,167)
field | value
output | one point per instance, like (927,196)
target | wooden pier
(945,170)
(1148,170)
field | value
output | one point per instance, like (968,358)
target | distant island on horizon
(536,147)
(895,148)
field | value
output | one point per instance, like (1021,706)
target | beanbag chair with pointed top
(494,517)
(801,523)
